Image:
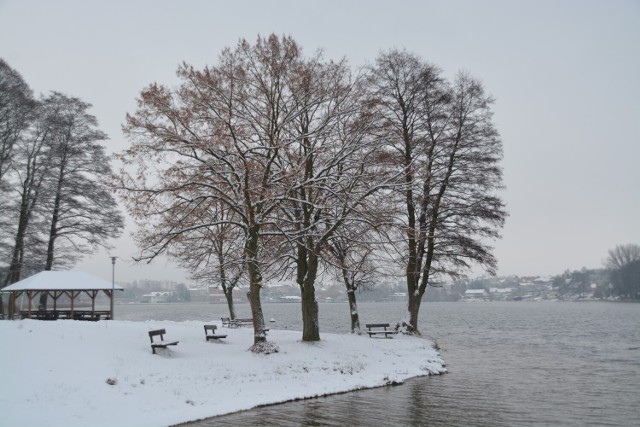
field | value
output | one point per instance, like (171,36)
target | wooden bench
(379,329)
(237,323)
(210,333)
(162,343)
(242,322)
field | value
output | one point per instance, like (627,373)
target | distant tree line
(623,265)
(56,204)
(271,164)
(619,279)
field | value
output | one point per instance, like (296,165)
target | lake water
(510,364)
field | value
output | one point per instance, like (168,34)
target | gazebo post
(73,300)
(92,295)
(72,296)
(30,298)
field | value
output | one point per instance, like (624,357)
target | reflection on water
(517,363)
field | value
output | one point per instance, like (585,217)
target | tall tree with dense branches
(31,165)
(215,140)
(78,206)
(59,205)
(334,170)
(623,263)
(443,139)
(272,139)
(17,107)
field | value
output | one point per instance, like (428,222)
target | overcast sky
(565,75)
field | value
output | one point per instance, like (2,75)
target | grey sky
(565,74)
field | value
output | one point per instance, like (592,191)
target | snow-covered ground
(72,373)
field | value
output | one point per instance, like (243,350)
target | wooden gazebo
(56,284)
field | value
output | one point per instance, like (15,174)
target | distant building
(475,295)
(398,296)
(501,294)
(290,298)
(156,297)
(217,296)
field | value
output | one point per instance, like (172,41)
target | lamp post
(113,282)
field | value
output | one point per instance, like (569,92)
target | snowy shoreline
(59,373)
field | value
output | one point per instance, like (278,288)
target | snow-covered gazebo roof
(61,281)
(54,284)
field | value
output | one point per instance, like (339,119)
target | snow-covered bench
(379,329)
(242,322)
(210,333)
(235,323)
(162,343)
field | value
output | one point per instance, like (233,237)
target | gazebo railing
(93,315)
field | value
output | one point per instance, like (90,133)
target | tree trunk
(255,285)
(413,309)
(353,310)
(310,326)
(306,280)
(15,268)
(351,294)
(228,293)
(228,290)
(11,309)
(259,336)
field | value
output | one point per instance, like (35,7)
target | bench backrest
(377,325)
(160,332)
(211,328)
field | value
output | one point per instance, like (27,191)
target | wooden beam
(72,295)
(55,296)
(92,295)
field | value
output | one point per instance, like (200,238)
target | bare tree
(622,255)
(334,171)
(213,254)
(623,263)
(17,107)
(217,137)
(444,140)
(354,261)
(78,206)
(31,165)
